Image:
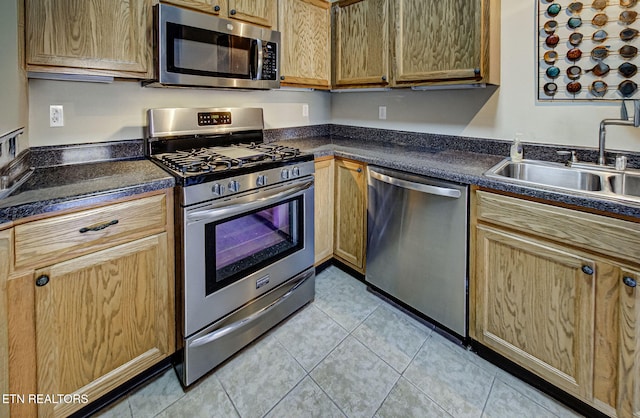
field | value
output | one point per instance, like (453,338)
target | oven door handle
(225,210)
(219,333)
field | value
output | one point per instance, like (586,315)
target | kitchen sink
(582,177)
(550,175)
(625,184)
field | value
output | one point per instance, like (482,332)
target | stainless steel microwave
(194,49)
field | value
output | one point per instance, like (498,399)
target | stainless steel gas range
(244,229)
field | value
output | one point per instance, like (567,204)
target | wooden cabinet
(257,12)
(305,48)
(553,289)
(444,42)
(350,213)
(99,312)
(536,307)
(101,37)
(214,7)
(5,257)
(323,209)
(361,43)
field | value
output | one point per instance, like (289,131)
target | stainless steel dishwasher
(417,244)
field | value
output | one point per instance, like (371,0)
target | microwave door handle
(234,209)
(258,58)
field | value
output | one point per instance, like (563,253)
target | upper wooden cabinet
(257,12)
(447,41)
(101,37)
(305,49)
(555,290)
(360,43)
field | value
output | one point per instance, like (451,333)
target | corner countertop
(459,166)
(51,189)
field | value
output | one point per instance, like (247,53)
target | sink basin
(625,184)
(597,180)
(549,174)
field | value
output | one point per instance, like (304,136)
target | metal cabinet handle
(282,77)
(98,227)
(216,8)
(587,270)
(384,78)
(418,187)
(629,281)
(42,280)
(359,170)
(232,12)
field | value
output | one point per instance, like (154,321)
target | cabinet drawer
(66,236)
(610,236)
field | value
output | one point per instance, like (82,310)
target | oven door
(238,248)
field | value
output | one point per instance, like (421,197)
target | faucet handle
(570,155)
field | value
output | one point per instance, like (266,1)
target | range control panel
(214,118)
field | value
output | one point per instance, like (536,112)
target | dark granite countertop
(459,166)
(63,187)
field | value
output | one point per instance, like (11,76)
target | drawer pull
(587,270)
(98,227)
(629,281)
(42,280)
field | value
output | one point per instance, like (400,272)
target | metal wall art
(588,50)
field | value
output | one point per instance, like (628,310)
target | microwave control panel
(269,61)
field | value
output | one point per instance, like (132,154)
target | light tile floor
(346,354)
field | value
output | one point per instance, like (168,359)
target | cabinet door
(361,44)
(107,35)
(437,40)
(259,12)
(629,398)
(323,210)
(350,213)
(215,7)
(101,319)
(305,52)
(535,306)
(5,257)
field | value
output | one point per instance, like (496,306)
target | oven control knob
(234,186)
(217,189)
(285,173)
(261,181)
(295,171)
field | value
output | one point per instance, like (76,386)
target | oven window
(201,52)
(239,246)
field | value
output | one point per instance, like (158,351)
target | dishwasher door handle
(418,187)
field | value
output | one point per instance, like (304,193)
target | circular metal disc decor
(588,50)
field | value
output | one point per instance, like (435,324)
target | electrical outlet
(305,110)
(56,116)
(382,112)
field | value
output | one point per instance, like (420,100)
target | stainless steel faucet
(623,121)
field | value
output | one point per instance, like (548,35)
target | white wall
(95,112)
(13,85)
(491,113)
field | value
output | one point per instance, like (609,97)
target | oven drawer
(78,233)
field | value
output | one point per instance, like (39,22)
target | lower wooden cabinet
(5,255)
(84,324)
(555,290)
(350,213)
(323,209)
(535,306)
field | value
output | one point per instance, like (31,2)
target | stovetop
(199,165)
